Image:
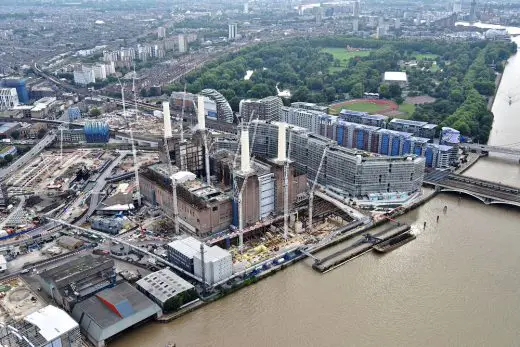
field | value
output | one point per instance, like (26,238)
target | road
(100,184)
(24,159)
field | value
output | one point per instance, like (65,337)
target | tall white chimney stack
(167,120)
(201,120)
(245,165)
(282,144)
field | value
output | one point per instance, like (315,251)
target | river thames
(457,284)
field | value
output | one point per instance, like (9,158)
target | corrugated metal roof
(164,284)
(104,316)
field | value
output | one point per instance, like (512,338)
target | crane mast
(286,190)
(134,153)
(313,188)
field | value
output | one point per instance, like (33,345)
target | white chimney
(245,166)
(201,120)
(282,145)
(167,120)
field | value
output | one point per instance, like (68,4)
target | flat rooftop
(164,284)
(394,132)
(359,126)
(414,123)
(51,322)
(395,76)
(77,265)
(190,248)
(7,126)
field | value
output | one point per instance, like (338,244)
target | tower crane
(175,207)
(134,153)
(286,190)
(313,188)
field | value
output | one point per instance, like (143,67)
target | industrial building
(203,209)
(269,108)
(258,184)
(192,255)
(78,279)
(73,135)
(8,99)
(69,242)
(6,129)
(348,172)
(417,128)
(167,290)
(47,327)
(43,107)
(263,194)
(41,90)
(112,311)
(112,226)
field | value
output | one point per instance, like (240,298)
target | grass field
(343,55)
(407,109)
(365,107)
(427,56)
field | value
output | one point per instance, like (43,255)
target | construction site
(217,209)
(256,207)
(17,300)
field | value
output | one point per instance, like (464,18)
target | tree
(399,100)
(384,90)
(394,90)
(330,93)
(357,90)
(41,133)
(301,94)
(15,134)
(95,112)
(260,91)
(8,158)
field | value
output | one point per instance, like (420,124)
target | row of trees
(463,87)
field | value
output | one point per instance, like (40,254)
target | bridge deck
(484,189)
(495,149)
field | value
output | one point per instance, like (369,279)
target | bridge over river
(486,191)
(492,149)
